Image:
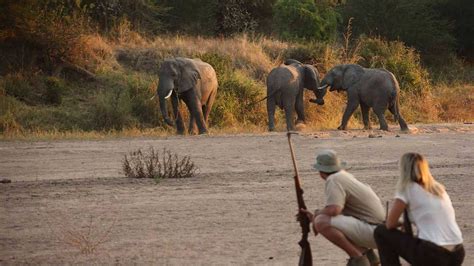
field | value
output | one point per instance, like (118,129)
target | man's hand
(308,214)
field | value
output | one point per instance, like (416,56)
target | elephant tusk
(151,99)
(169,94)
(323,87)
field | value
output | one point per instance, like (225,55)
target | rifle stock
(306,258)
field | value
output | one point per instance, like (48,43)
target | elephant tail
(254,103)
(260,100)
(396,108)
(394,99)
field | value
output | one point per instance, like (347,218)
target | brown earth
(68,196)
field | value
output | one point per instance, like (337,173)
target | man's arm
(330,210)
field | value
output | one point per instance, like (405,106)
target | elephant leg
(352,104)
(208,106)
(195,110)
(403,124)
(271,105)
(401,121)
(192,125)
(380,112)
(365,115)
(289,106)
(299,106)
(177,114)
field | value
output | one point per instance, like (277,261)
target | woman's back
(433,215)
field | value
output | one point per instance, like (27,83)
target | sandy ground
(239,209)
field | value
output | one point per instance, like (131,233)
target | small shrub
(157,165)
(18,86)
(402,61)
(141,87)
(234,103)
(54,91)
(9,125)
(308,53)
(221,63)
(111,110)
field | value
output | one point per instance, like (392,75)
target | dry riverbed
(68,201)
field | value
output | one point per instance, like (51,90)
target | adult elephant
(369,88)
(192,81)
(285,89)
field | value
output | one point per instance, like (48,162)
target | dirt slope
(238,210)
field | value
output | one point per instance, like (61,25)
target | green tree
(305,19)
(461,14)
(196,17)
(233,17)
(415,22)
(144,15)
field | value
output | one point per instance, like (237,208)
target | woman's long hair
(414,168)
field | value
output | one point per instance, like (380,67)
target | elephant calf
(285,88)
(194,82)
(369,88)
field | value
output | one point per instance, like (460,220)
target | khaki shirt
(356,198)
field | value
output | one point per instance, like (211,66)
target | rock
(374,136)
(5,181)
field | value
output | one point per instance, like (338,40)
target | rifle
(306,259)
(407,223)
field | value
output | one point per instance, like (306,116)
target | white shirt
(433,216)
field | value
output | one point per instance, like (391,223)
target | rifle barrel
(306,258)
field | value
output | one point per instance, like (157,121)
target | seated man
(352,211)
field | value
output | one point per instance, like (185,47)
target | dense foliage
(84,65)
(304,19)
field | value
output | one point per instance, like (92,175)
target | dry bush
(84,233)
(93,51)
(87,241)
(328,115)
(157,165)
(350,50)
(456,102)
(419,107)
(246,54)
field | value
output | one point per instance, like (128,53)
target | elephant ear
(189,74)
(311,77)
(351,76)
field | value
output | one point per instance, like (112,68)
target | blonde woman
(439,240)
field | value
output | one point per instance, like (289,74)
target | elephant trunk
(165,89)
(319,92)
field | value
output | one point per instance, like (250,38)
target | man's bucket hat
(328,162)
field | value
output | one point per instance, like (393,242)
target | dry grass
(86,235)
(41,135)
(157,165)
(128,53)
(456,103)
(246,54)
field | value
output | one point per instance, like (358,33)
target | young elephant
(369,88)
(194,82)
(285,88)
